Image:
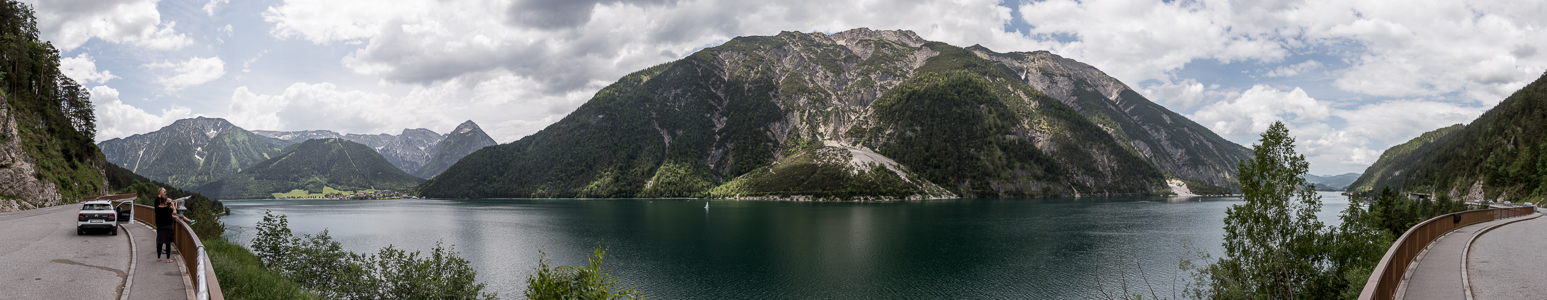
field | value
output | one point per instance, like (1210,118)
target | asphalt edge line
(133,256)
(1466,252)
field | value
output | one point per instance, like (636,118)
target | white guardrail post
(203,286)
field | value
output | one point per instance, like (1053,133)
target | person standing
(164,211)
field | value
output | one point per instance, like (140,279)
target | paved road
(1438,271)
(42,258)
(1508,263)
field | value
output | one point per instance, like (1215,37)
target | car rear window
(97,207)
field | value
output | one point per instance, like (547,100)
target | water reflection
(675,249)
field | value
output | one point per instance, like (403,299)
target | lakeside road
(41,257)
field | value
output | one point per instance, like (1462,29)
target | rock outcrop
(20,188)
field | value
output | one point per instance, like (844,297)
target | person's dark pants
(164,241)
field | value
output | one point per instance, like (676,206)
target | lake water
(1060,248)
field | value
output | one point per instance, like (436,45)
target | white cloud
(1483,49)
(423,42)
(1124,38)
(1186,94)
(195,71)
(116,119)
(68,24)
(1367,129)
(1295,69)
(210,7)
(83,69)
(1257,108)
(507,106)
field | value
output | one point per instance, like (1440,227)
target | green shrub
(572,282)
(242,275)
(319,263)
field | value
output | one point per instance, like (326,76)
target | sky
(1349,78)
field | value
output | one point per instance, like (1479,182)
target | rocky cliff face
(460,142)
(20,189)
(1174,144)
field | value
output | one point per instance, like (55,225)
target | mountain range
(1500,155)
(777,116)
(193,152)
(1331,182)
(314,166)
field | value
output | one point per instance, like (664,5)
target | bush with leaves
(320,264)
(572,282)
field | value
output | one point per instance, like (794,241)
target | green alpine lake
(1046,248)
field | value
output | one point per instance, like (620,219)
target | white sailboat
(706,205)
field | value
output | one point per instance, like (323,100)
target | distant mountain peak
(467,126)
(465,139)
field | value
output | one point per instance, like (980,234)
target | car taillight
(83,217)
(112,216)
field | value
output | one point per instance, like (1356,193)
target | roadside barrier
(1393,267)
(191,250)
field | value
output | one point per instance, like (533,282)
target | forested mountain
(1176,145)
(46,122)
(1502,154)
(408,151)
(1332,182)
(965,120)
(458,143)
(191,152)
(313,166)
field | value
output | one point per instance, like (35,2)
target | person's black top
(164,217)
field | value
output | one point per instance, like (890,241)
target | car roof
(97,202)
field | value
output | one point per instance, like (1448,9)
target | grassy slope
(825,174)
(242,275)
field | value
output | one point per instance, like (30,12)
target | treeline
(319,264)
(53,113)
(1505,148)
(1275,248)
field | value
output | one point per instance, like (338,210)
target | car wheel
(79,231)
(115,230)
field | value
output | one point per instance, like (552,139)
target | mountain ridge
(1500,155)
(684,128)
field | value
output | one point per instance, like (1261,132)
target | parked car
(97,214)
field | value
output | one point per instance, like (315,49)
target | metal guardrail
(1389,272)
(191,249)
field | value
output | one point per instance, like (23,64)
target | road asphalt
(1438,271)
(1508,263)
(41,257)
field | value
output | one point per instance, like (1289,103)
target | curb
(1466,283)
(134,255)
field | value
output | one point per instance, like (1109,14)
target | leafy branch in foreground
(572,282)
